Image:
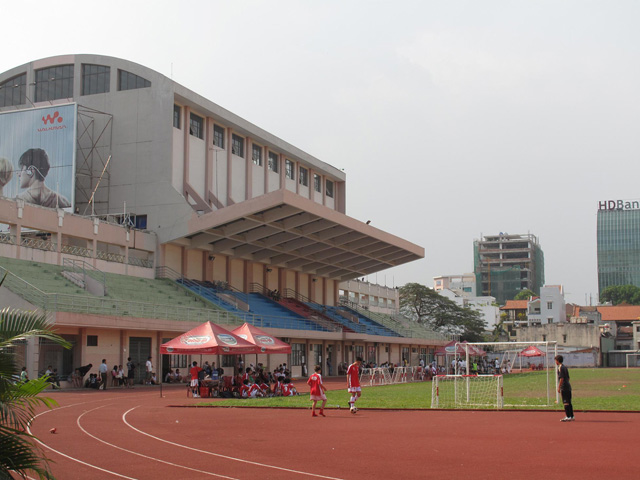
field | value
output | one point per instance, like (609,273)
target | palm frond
(18,455)
(18,325)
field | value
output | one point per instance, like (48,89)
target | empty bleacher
(254,308)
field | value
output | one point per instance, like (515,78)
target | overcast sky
(452,119)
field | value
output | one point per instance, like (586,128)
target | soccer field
(593,389)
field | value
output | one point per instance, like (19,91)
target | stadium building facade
(618,239)
(167,184)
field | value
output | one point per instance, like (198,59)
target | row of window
(196,128)
(53,83)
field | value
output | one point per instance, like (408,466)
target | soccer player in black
(564,388)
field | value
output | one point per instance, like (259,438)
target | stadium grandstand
(133,209)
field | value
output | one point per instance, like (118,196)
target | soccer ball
(354,409)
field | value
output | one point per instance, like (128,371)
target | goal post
(505,357)
(467,391)
(633,360)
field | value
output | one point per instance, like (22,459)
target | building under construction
(506,264)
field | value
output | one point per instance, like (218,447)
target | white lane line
(205,452)
(72,458)
(140,454)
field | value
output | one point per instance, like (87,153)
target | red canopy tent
(532,351)
(261,339)
(208,338)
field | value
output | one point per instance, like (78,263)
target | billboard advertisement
(37,155)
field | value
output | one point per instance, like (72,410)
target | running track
(135,434)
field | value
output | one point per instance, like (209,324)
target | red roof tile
(620,313)
(515,305)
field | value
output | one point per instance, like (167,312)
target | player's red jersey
(244,391)
(194,372)
(314,382)
(353,375)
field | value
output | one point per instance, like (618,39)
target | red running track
(135,434)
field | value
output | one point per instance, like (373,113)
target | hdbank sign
(37,155)
(619,205)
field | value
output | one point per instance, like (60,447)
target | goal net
(633,360)
(467,391)
(528,369)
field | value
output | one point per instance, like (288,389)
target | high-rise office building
(618,234)
(505,264)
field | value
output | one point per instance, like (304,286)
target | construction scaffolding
(93,152)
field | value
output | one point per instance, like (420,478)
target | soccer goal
(535,359)
(633,360)
(467,391)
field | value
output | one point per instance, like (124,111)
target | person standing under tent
(353,382)
(564,388)
(317,391)
(195,384)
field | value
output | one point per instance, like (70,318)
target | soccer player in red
(353,382)
(194,371)
(317,391)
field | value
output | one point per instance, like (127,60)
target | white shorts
(194,383)
(354,389)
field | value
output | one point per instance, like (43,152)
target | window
(130,81)
(288,169)
(257,155)
(564,339)
(237,145)
(54,82)
(176,116)
(304,176)
(549,305)
(317,186)
(273,162)
(549,319)
(195,126)
(229,361)
(218,136)
(297,354)
(95,79)
(92,340)
(13,91)
(329,188)
(177,361)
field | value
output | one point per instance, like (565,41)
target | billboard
(38,155)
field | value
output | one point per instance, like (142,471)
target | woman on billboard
(34,167)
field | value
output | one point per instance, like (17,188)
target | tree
(426,306)
(618,294)
(525,294)
(19,400)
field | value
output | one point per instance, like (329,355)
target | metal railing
(140,262)
(38,244)
(85,269)
(77,251)
(111,257)
(7,238)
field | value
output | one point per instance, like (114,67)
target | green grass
(593,389)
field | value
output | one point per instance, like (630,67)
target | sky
(452,119)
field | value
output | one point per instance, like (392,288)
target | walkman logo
(56,118)
(618,205)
